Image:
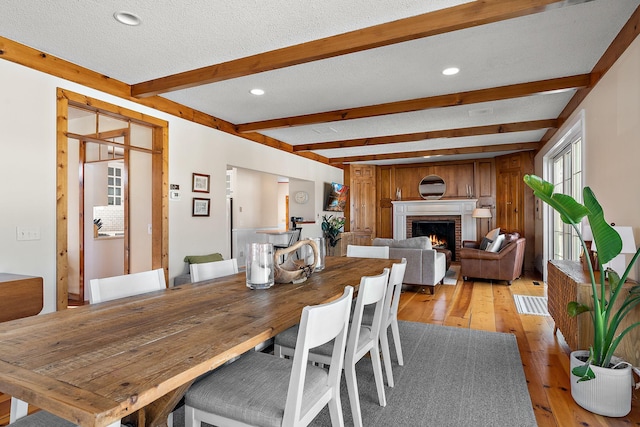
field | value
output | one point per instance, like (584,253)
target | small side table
(20,296)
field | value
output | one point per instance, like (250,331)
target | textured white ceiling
(513,110)
(179,35)
(560,42)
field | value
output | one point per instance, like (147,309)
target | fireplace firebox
(441,232)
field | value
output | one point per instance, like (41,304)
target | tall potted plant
(331,228)
(594,370)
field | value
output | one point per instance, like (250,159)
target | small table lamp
(587,236)
(483,213)
(619,263)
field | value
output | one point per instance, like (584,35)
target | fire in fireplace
(441,232)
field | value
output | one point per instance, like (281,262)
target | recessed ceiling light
(324,129)
(257,92)
(127,18)
(480,112)
(450,71)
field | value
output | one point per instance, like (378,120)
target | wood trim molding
(449,100)
(62,182)
(20,54)
(447,151)
(420,136)
(160,181)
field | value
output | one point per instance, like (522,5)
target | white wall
(103,257)
(255,200)
(28,172)
(306,210)
(612,143)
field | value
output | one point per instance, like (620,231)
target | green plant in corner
(605,318)
(331,228)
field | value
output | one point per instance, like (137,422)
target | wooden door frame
(160,174)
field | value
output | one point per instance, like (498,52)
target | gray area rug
(451,377)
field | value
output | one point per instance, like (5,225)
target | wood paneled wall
(481,176)
(478,175)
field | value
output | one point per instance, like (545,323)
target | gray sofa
(425,266)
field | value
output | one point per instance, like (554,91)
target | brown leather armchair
(506,264)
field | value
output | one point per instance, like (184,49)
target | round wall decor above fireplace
(432,187)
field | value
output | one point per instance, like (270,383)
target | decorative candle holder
(260,265)
(307,253)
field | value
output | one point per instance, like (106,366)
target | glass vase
(307,252)
(260,265)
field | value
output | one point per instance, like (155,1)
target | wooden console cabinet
(567,281)
(20,296)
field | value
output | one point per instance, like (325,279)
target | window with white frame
(114,185)
(567,177)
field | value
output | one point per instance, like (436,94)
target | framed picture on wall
(200,183)
(336,199)
(200,207)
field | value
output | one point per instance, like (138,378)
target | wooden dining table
(96,364)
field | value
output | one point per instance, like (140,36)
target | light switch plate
(27,233)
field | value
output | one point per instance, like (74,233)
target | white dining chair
(212,270)
(261,389)
(390,318)
(362,340)
(110,288)
(368,251)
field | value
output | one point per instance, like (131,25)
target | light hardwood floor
(545,357)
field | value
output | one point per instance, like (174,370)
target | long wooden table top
(95,364)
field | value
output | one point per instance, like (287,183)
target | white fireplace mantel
(462,207)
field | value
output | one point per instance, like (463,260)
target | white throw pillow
(493,234)
(496,244)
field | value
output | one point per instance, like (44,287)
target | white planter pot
(609,393)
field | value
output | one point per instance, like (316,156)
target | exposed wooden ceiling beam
(440,152)
(450,100)
(421,136)
(31,58)
(429,24)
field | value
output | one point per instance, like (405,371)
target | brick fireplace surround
(456,218)
(459,210)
